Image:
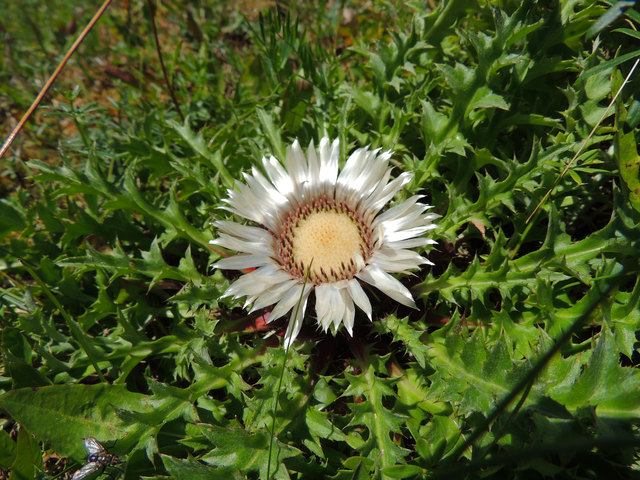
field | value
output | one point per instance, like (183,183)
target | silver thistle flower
(311,218)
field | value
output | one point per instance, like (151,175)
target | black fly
(97,457)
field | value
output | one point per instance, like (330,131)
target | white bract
(311,219)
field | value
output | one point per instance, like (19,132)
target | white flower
(310,218)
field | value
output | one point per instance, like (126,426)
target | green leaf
(406,333)
(12,218)
(244,452)
(272,133)
(355,468)
(433,123)
(471,374)
(7,450)
(485,98)
(556,260)
(401,471)
(629,164)
(380,421)
(171,217)
(62,415)
(612,389)
(627,31)
(25,375)
(437,438)
(190,469)
(197,143)
(610,16)
(319,426)
(625,319)
(152,264)
(609,64)
(28,457)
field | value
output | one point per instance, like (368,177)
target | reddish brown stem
(52,78)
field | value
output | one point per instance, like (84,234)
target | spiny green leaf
(151,265)
(609,64)
(316,427)
(437,438)
(485,98)
(468,373)
(629,164)
(197,143)
(604,384)
(558,259)
(171,217)
(245,453)
(379,420)
(625,319)
(408,334)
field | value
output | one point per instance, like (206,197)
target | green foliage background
(522,359)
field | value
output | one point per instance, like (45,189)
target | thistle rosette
(312,220)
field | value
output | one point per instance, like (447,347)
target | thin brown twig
(586,140)
(152,16)
(52,78)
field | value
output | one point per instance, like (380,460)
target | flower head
(312,220)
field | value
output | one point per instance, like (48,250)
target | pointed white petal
(359,297)
(329,156)
(382,195)
(323,305)
(410,243)
(247,285)
(272,273)
(375,173)
(296,167)
(262,188)
(245,232)
(412,218)
(239,245)
(387,284)
(353,168)
(289,300)
(338,307)
(330,305)
(363,172)
(243,202)
(349,311)
(391,260)
(369,182)
(272,295)
(406,234)
(278,175)
(313,170)
(295,322)
(251,286)
(399,211)
(240,262)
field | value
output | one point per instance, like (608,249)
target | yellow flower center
(330,238)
